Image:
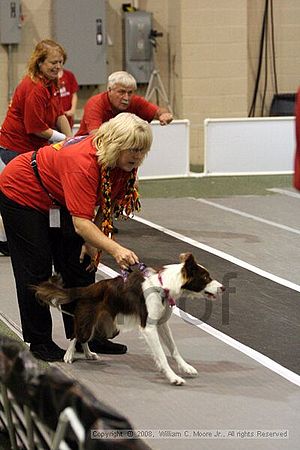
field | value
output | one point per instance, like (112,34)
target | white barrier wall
(169,154)
(249,145)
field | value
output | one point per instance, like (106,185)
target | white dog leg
(151,335)
(69,355)
(165,334)
(87,352)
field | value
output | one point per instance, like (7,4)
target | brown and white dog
(145,299)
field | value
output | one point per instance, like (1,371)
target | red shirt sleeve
(142,108)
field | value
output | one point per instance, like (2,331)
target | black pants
(34,247)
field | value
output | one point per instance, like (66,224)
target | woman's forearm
(63,125)
(91,234)
(94,237)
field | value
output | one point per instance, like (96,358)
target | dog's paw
(92,355)
(68,358)
(188,370)
(176,380)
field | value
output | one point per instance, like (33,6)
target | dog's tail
(52,293)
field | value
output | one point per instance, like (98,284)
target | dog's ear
(189,266)
(183,257)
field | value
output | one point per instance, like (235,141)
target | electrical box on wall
(80,26)
(10,22)
(138,52)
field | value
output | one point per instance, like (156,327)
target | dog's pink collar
(166,291)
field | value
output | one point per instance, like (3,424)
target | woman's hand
(125,257)
(91,233)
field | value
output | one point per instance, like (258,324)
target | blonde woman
(47,201)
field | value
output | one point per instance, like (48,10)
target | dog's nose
(222,288)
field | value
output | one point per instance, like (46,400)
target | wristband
(57,136)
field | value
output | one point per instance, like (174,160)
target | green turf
(213,186)
(6,331)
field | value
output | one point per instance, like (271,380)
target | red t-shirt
(98,109)
(35,107)
(71,175)
(67,87)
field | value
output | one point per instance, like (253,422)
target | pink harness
(142,267)
(167,292)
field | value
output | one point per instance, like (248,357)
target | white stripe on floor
(223,255)
(285,192)
(258,357)
(247,215)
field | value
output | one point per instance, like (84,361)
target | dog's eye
(206,277)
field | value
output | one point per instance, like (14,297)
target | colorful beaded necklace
(124,207)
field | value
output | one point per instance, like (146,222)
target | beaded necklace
(124,207)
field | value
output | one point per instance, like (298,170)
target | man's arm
(164,116)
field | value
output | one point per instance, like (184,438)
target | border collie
(143,298)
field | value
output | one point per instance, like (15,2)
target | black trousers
(34,248)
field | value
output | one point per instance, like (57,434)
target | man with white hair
(119,97)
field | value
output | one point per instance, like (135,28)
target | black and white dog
(145,299)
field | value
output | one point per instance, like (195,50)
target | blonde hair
(40,54)
(123,78)
(126,131)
